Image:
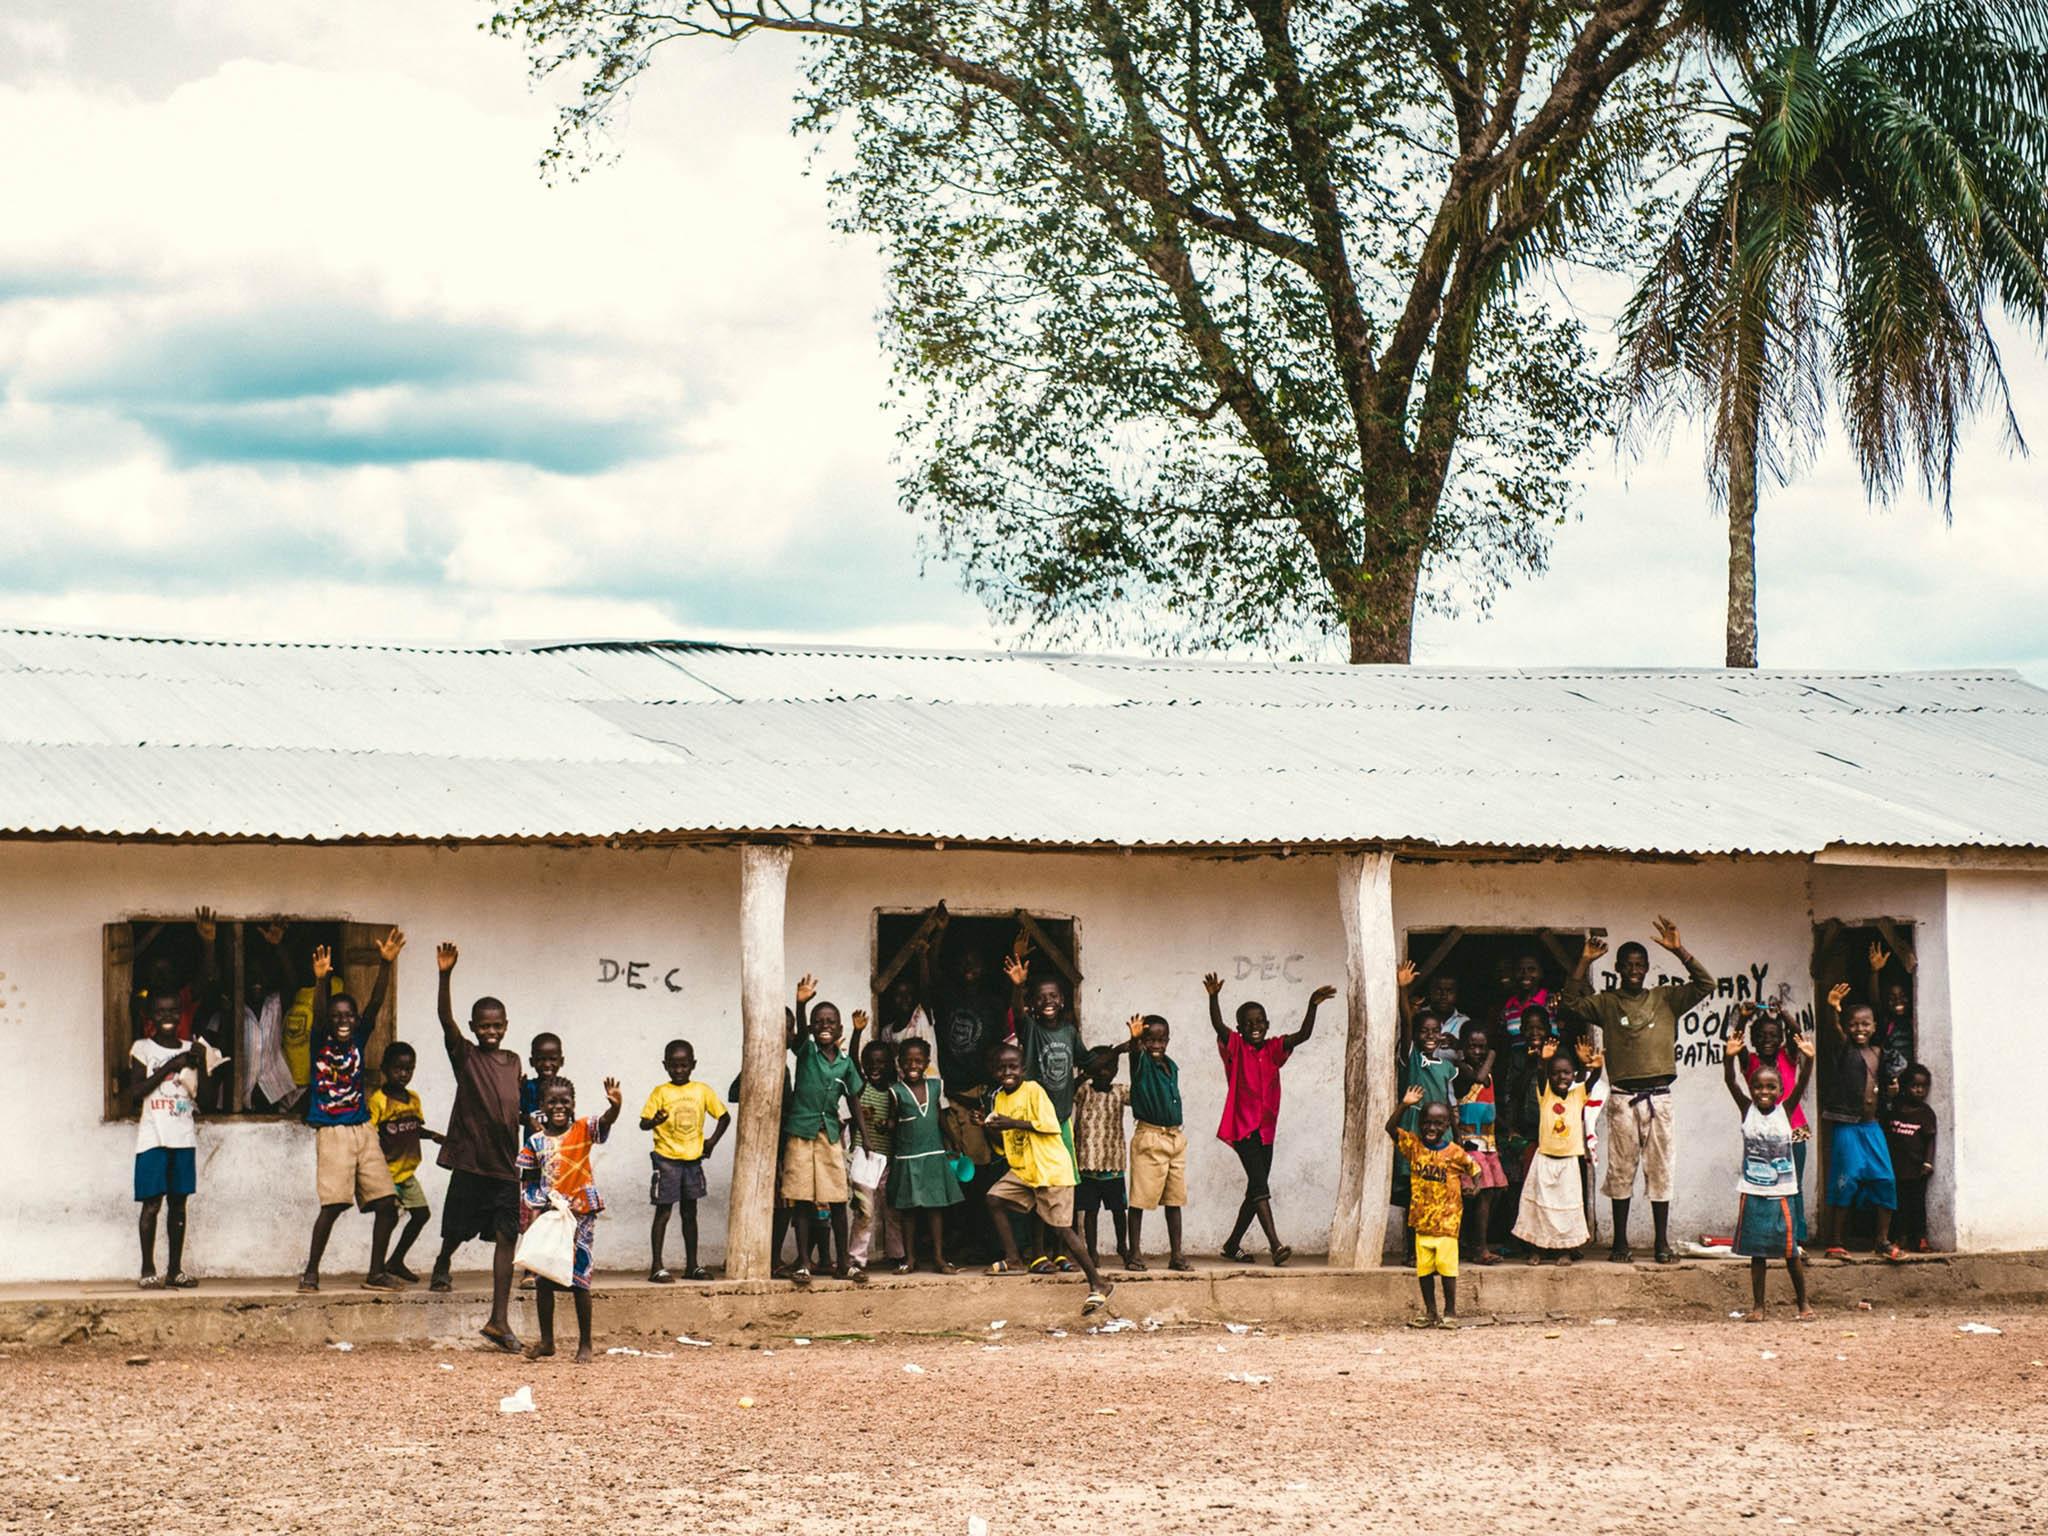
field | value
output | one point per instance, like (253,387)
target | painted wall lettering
(1268,967)
(634,974)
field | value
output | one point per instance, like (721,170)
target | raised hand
(1137,1025)
(806,989)
(1320,996)
(1549,1049)
(1015,968)
(203,920)
(1413,1096)
(1802,1044)
(1838,994)
(1212,984)
(860,1020)
(1667,935)
(1593,948)
(445,956)
(273,932)
(611,1091)
(1021,945)
(1879,957)
(1404,974)
(1586,1053)
(323,962)
(1736,1043)
(391,944)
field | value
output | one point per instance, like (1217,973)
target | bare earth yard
(1859,1422)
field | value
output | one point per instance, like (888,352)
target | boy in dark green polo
(1159,1145)
(813,1148)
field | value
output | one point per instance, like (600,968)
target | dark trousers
(1257,1157)
(1910,1225)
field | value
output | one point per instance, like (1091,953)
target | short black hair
(545,1037)
(398,1050)
(677,1045)
(1100,1056)
(1536,1011)
(1158,1019)
(1917,1069)
(1632,946)
(867,1052)
(548,1085)
(904,1048)
(1247,1006)
(482,1003)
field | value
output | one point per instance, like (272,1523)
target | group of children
(975,1122)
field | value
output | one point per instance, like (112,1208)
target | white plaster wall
(1997,927)
(534,925)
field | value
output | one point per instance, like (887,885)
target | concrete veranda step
(1304,1295)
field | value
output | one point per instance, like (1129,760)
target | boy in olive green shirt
(813,1148)
(1638,1029)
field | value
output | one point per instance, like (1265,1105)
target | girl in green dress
(920,1175)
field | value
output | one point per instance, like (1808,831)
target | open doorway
(1879,960)
(933,941)
(1489,974)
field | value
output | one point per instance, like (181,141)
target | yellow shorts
(1159,1166)
(813,1170)
(1436,1256)
(349,1166)
(1054,1203)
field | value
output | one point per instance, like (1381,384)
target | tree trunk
(1365,901)
(764,888)
(1381,607)
(1742,520)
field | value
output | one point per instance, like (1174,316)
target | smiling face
(1435,1123)
(900,1001)
(558,1106)
(399,1066)
(1766,1088)
(1009,1065)
(679,1062)
(1562,1073)
(1861,1025)
(1768,1033)
(1251,1022)
(1429,1033)
(917,1060)
(1046,1001)
(487,1022)
(1535,1027)
(1155,1039)
(545,1056)
(825,1026)
(341,1018)
(163,1018)
(1632,965)
(1528,974)
(1896,1002)
(1473,1047)
(875,1063)
(1443,994)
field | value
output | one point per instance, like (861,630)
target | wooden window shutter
(117,947)
(360,961)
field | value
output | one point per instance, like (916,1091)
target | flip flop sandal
(1065,1266)
(1281,1255)
(1835,1253)
(308,1287)
(1096,1301)
(1000,1267)
(182,1282)
(949,1269)
(1422,1322)
(800,1276)
(1448,1322)
(661,1277)
(507,1342)
(150,1283)
(1042,1265)
(441,1283)
(1892,1252)
(1180,1265)
(696,1272)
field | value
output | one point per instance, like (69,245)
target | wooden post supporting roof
(764,889)
(1365,898)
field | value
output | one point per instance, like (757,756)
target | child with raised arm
(555,1160)
(1860,1173)
(1159,1139)
(872,1223)
(1770,1217)
(1764,1039)
(349,1162)
(481,1148)
(165,1084)
(1476,1133)
(400,1119)
(1638,1032)
(921,1180)
(813,1142)
(1041,1174)
(1909,1128)
(1552,1216)
(1436,1202)
(1251,1106)
(1422,1066)
(676,1111)
(1099,1106)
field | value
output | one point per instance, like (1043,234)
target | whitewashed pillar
(764,890)
(1365,898)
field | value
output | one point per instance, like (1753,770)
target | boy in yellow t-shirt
(1436,1200)
(676,1112)
(400,1122)
(1041,1176)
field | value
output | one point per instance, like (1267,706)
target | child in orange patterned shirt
(1436,1201)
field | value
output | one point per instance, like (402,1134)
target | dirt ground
(1859,1421)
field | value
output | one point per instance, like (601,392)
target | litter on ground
(684,1338)
(342,1344)
(622,1349)
(1248,1379)
(1238,1327)
(519,1402)
(912,1369)
(1977,1328)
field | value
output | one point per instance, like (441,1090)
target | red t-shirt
(1251,1102)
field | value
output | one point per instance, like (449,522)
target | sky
(296,343)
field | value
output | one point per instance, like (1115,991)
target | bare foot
(1806,1314)
(1754,1317)
(539,1350)
(1135,1266)
(582,1354)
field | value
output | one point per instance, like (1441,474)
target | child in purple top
(1251,1105)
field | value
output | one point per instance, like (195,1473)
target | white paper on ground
(519,1402)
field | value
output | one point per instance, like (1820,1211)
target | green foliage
(1218,321)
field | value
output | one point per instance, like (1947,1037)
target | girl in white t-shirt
(1770,1220)
(165,1082)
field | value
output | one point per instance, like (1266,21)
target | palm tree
(1879,191)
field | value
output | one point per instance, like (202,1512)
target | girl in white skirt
(1770,1216)
(1552,1217)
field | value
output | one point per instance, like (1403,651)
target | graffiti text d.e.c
(637,975)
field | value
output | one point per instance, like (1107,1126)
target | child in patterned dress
(555,1160)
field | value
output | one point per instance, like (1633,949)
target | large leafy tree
(1881,189)
(1213,320)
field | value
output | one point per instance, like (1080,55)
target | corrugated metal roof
(106,736)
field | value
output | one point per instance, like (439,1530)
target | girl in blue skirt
(1770,1220)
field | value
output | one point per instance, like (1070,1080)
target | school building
(635,841)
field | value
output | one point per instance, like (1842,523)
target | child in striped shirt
(1099,1105)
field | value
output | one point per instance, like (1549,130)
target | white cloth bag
(547,1247)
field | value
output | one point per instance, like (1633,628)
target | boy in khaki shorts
(349,1162)
(1041,1179)
(813,1151)
(1159,1143)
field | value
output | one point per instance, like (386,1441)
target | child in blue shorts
(1859,1162)
(166,1082)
